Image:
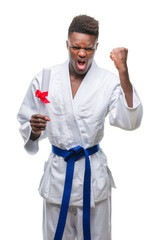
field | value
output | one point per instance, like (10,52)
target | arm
(26,116)
(119,56)
(125,106)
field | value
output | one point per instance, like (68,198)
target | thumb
(47,118)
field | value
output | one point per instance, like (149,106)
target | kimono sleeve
(120,115)
(30,106)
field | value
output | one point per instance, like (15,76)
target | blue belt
(70,156)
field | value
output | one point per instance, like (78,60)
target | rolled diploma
(44,88)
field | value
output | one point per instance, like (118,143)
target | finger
(39,116)
(37,120)
(111,57)
(38,124)
(47,118)
(37,129)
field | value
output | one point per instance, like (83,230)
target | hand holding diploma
(38,121)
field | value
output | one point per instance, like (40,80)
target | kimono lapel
(86,84)
(84,87)
(69,107)
(64,79)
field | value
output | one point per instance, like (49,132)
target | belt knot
(76,152)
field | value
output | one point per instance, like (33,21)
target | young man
(76,185)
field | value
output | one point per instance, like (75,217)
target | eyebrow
(76,45)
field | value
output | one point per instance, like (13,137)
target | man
(76,185)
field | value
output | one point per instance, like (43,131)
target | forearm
(126,85)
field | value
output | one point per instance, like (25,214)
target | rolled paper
(44,88)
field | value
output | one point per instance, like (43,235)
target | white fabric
(100,221)
(78,121)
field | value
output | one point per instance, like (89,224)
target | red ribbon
(42,96)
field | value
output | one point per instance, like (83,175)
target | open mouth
(81,65)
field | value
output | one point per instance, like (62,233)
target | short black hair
(84,24)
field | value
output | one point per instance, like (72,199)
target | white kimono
(78,121)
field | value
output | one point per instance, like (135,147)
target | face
(81,48)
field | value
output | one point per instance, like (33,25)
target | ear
(67,44)
(97,45)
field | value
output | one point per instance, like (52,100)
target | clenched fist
(38,124)
(119,56)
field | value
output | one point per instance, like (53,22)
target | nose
(82,53)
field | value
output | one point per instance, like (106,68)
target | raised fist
(119,56)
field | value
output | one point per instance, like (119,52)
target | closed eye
(89,49)
(86,49)
(76,48)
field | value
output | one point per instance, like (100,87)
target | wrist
(34,135)
(123,69)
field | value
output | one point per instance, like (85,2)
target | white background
(33,34)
